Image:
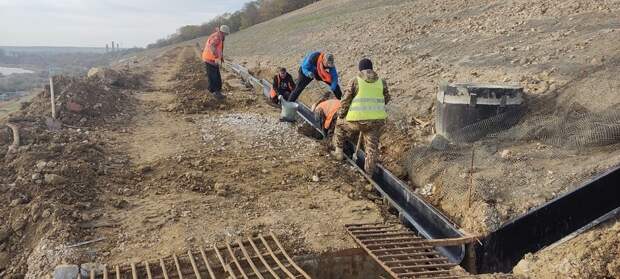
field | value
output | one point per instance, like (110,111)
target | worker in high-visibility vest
(362,109)
(326,112)
(213,56)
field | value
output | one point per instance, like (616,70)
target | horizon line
(47,46)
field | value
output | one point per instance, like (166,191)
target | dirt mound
(82,102)
(123,79)
(50,183)
(46,186)
(190,86)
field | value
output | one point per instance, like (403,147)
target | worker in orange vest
(213,56)
(283,84)
(326,112)
(318,66)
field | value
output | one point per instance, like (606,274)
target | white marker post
(52,93)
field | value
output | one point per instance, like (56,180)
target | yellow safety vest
(369,103)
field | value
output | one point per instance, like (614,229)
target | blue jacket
(308,65)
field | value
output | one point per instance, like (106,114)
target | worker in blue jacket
(319,66)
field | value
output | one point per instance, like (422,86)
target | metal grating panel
(402,253)
(262,257)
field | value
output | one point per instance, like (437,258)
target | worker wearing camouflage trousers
(371,131)
(362,109)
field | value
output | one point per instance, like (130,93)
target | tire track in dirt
(155,133)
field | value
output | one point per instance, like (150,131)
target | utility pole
(112,46)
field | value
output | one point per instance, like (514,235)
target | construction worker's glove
(311,75)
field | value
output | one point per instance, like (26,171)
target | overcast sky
(97,22)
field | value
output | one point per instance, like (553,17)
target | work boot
(218,95)
(338,154)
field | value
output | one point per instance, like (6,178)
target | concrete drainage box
(468,111)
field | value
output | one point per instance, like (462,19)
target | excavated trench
(500,250)
(345,264)
(261,257)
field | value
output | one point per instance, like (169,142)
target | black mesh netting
(569,130)
(489,126)
(562,129)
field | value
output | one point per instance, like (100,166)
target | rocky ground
(161,167)
(593,254)
(147,164)
(564,53)
(560,52)
(52,181)
(211,172)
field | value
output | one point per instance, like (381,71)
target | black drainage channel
(413,210)
(550,222)
(594,202)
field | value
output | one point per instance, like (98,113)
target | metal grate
(402,253)
(260,257)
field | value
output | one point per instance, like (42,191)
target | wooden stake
(471,177)
(357,146)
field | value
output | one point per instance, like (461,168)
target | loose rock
(54,179)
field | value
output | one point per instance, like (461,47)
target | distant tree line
(252,13)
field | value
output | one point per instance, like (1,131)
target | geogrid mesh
(569,130)
(562,129)
(442,175)
(489,126)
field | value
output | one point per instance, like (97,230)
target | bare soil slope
(564,53)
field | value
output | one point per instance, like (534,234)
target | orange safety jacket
(320,69)
(330,108)
(278,80)
(215,40)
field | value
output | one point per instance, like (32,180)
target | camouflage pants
(371,132)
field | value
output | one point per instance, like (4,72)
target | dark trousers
(302,82)
(285,95)
(214,77)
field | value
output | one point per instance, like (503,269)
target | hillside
(564,53)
